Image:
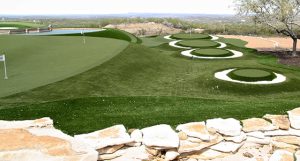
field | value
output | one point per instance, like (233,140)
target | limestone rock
(115,135)
(152,151)
(182,136)
(207,154)
(137,136)
(257,124)
(282,145)
(195,129)
(134,154)
(256,134)
(265,141)
(171,155)
(236,139)
(290,132)
(36,144)
(282,155)
(110,149)
(161,136)
(281,121)
(110,156)
(294,140)
(192,145)
(294,116)
(45,122)
(297,155)
(226,147)
(229,127)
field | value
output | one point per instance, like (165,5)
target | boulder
(294,116)
(133,154)
(236,139)
(258,124)
(45,122)
(207,154)
(229,127)
(297,155)
(115,135)
(195,129)
(161,136)
(47,144)
(281,121)
(110,149)
(137,136)
(294,140)
(282,155)
(171,155)
(226,147)
(194,144)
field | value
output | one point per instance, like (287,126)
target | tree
(280,15)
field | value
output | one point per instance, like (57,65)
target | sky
(42,7)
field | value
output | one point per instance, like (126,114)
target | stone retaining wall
(271,138)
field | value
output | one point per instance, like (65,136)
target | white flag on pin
(2,57)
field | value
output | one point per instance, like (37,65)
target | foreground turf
(198,43)
(183,36)
(89,114)
(143,86)
(34,61)
(212,52)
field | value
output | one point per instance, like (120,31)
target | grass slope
(198,43)
(212,52)
(144,86)
(34,61)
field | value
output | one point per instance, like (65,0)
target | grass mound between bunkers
(252,75)
(212,52)
(198,43)
(184,36)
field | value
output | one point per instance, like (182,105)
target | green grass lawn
(151,83)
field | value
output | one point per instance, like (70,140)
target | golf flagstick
(4,64)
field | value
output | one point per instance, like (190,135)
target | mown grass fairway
(151,83)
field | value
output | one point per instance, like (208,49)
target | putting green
(252,75)
(33,61)
(198,43)
(212,52)
(190,36)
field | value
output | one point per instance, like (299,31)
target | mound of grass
(184,36)
(109,33)
(198,43)
(212,52)
(252,75)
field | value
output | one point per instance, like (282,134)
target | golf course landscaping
(117,78)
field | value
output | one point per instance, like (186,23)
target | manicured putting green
(212,52)
(198,43)
(252,75)
(34,61)
(190,36)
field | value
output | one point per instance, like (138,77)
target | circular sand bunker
(198,43)
(250,76)
(212,52)
(184,36)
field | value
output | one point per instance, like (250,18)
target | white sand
(213,38)
(223,76)
(223,45)
(168,37)
(8,28)
(173,44)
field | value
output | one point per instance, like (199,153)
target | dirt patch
(285,57)
(265,43)
(146,29)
